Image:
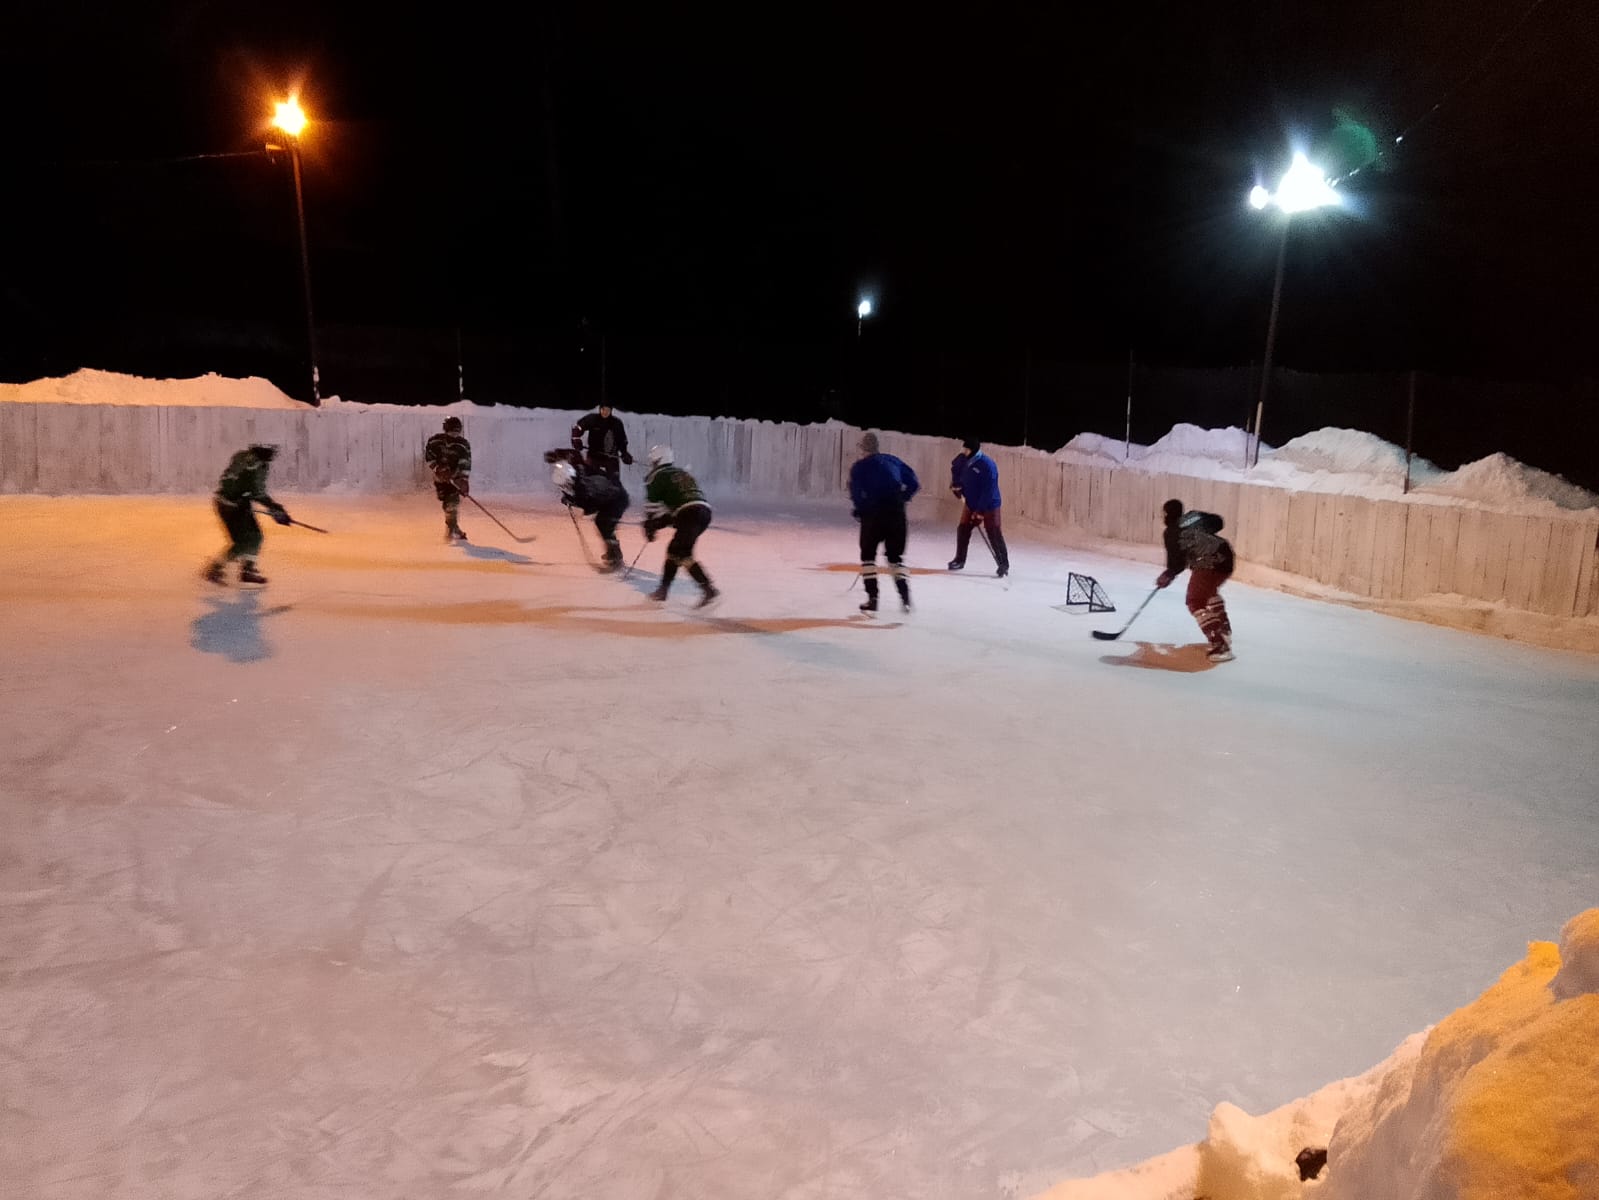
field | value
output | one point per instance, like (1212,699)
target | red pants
(1205,602)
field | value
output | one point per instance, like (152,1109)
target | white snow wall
(1381,549)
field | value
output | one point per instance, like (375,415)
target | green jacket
(450,456)
(245,481)
(668,488)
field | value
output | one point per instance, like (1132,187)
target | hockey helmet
(660,455)
(264,451)
(452,424)
(564,475)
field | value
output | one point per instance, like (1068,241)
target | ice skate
(248,574)
(708,597)
(956,564)
(659,595)
(869,605)
(213,574)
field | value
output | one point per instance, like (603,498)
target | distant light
(863,309)
(1259,197)
(1399,139)
(290,117)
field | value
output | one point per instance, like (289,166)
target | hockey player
(673,498)
(607,448)
(974,479)
(450,457)
(593,493)
(880,486)
(242,485)
(1194,543)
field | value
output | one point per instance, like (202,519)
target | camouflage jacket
(450,456)
(668,488)
(244,481)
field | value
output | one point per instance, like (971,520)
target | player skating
(974,479)
(242,486)
(449,455)
(1194,543)
(674,498)
(594,493)
(880,486)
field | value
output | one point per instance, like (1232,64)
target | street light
(1304,187)
(290,119)
(862,311)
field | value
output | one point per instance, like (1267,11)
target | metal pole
(604,396)
(460,367)
(1127,443)
(1271,337)
(305,272)
(1410,429)
(1027,390)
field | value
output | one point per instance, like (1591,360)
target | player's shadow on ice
(1163,656)
(232,627)
(855,567)
(495,554)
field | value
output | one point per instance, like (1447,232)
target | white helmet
(564,474)
(660,455)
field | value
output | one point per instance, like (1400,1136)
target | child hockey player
(675,499)
(880,486)
(450,457)
(1193,542)
(595,494)
(241,486)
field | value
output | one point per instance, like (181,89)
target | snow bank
(1499,1101)
(1510,483)
(105,387)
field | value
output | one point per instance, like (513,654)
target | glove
(649,531)
(957,493)
(281,516)
(462,484)
(627,458)
(1164,580)
(566,500)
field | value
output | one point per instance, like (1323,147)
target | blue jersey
(879,482)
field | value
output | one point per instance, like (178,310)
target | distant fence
(1380,549)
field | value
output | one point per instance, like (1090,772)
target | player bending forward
(673,498)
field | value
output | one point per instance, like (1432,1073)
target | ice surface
(433,871)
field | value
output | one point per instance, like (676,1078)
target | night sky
(1030,195)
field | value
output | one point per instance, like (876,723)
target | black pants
(608,516)
(886,528)
(244,531)
(690,521)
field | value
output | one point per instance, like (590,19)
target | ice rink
(434,871)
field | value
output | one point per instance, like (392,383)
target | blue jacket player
(974,479)
(880,486)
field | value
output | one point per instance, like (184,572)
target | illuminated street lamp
(289,118)
(1304,187)
(862,311)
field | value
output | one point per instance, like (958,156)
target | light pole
(862,311)
(290,120)
(1303,188)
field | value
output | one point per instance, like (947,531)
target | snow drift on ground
(1499,1101)
(1328,460)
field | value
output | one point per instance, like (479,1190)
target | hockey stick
(266,512)
(634,563)
(497,520)
(578,529)
(1103,636)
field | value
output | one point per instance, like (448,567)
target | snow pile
(104,387)
(1500,478)
(1502,1103)
(1499,1101)
(1094,449)
(1204,453)
(1349,454)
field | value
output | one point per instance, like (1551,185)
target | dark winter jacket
(1176,560)
(1203,547)
(450,457)
(976,477)
(881,483)
(244,481)
(595,492)
(607,437)
(669,489)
